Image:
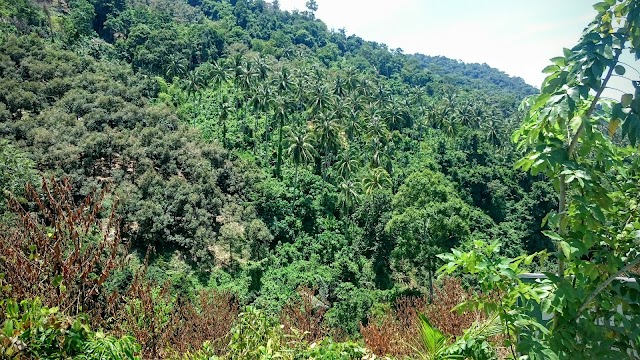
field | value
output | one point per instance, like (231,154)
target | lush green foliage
(473,344)
(256,337)
(265,151)
(16,170)
(254,151)
(31,330)
(585,142)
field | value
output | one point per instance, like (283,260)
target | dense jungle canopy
(254,152)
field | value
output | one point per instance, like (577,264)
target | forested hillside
(249,156)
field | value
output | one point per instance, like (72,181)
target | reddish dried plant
(440,313)
(166,325)
(396,332)
(144,311)
(208,318)
(62,252)
(305,313)
(381,335)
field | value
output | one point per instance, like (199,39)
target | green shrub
(257,337)
(329,350)
(101,346)
(254,336)
(31,330)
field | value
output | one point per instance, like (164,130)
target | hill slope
(257,151)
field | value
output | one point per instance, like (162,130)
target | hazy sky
(516,36)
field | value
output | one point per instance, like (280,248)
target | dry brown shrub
(381,335)
(305,313)
(144,312)
(446,297)
(208,318)
(396,333)
(62,252)
(166,325)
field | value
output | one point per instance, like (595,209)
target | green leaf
(559,60)
(566,249)
(523,163)
(11,307)
(601,7)
(577,121)
(8,328)
(549,354)
(550,69)
(552,235)
(529,259)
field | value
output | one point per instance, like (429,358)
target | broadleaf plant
(584,141)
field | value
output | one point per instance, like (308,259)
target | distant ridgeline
(256,24)
(475,75)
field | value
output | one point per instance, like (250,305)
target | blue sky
(516,36)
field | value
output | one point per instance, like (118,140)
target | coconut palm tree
(395,114)
(194,82)
(351,79)
(339,86)
(347,197)
(478,114)
(281,115)
(260,102)
(284,80)
(262,69)
(377,178)
(320,99)
(493,130)
(352,123)
(218,75)
(225,109)
(176,67)
(300,149)
(247,76)
(346,164)
(234,66)
(328,132)
(465,114)
(449,127)
(377,128)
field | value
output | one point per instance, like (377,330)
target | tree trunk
(430,274)
(279,161)
(255,136)
(295,190)
(231,255)
(224,134)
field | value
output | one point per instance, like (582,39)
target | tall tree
(328,133)
(300,149)
(346,164)
(176,67)
(281,113)
(376,179)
